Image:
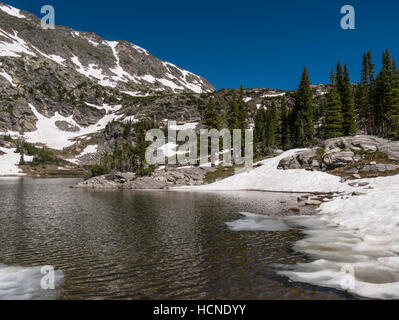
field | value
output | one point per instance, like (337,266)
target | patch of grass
(371,155)
(219,174)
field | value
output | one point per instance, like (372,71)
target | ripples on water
(147,245)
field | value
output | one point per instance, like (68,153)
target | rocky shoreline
(351,158)
(161,179)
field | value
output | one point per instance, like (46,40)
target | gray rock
(352,170)
(313,203)
(99,183)
(338,159)
(363,184)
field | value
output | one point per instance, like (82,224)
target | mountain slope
(69,73)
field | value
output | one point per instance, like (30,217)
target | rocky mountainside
(60,88)
(74,75)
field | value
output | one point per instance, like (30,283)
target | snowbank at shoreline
(9,162)
(267,177)
(355,233)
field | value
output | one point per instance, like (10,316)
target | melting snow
(268,177)
(11,11)
(17,45)
(355,233)
(9,163)
(89,149)
(7,76)
(93,71)
(52,57)
(49,134)
(272,95)
(186,126)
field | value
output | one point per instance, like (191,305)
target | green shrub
(98,170)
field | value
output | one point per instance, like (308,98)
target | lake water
(144,245)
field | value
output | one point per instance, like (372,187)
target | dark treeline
(369,107)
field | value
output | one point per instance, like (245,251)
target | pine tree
(212,118)
(260,132)
(362,108)
(364,96)
(384,94)
(285,126)
(346,94)
(234,118)
(333,119)
(22,159)
(242,111)
(303,125)
(393,111)
(271,125)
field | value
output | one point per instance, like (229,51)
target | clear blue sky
(257,43)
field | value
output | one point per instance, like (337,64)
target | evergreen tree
(242,111)
(333,119)
(364,95)
(392,115)
(362,108)
(266,129)
(234,118)
(303,125)
(212,117)
(260,132)
(271,125)
(385,95)
(22,160)
(346,95)
(285,126)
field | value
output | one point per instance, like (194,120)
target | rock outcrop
(360,156)
(161,179)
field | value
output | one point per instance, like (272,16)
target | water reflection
(149,245)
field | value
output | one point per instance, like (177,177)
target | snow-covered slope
(115,64)
(9,162)
(268,177)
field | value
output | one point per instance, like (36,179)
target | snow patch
(93,71)
(89,149)
(49,134)
(12,11)
(9,162)
(13,48)
(7,77)
(272,95)
(52,57)
(186,126)
(268,177)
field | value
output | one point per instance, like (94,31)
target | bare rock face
(66,126)
(60,70)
